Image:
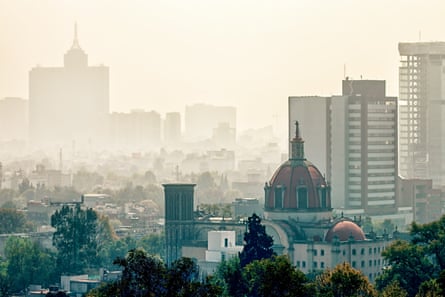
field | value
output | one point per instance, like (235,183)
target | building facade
(357,143)
(69,104)
(422,111)
(13,119)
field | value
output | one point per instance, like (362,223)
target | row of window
(371,263)
(375,250)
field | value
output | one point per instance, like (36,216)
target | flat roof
(421,48)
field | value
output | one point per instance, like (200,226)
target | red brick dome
(344,230)
(297,184)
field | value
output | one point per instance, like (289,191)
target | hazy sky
(251,54)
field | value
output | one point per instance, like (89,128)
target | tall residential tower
(422,111)
(356,139)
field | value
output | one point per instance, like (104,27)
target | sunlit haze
(251,54)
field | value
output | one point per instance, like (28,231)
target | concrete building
(422,111)
(172,128)
(356,140)
(427,203)
(13,119)
(69,104)
(137,129)
(201,119)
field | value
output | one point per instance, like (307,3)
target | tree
(429,288)
(13,221)
(75,238)
(142,275)
(183,278)
(393,290)
(432,237)
(408,266)
(230,277)
(274,277)
(258,244)
(28,263)
(343,281)
(153,244)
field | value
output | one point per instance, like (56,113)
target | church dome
(297,185)
(344,230)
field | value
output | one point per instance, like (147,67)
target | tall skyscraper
(70,103)
(422,111)
(356,135)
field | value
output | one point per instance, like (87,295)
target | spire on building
(75,40)
(297,152)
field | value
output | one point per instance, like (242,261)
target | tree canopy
(258,244)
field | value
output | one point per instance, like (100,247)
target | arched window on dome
(279,196)
(302,199)
(322,196)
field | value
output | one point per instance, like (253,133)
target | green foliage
(274,277)
(142,275)
(75,238)
(408,266)
(28,263)
(147,275)
(229,276)
(342,281)
(13,221)
(429,288)
(432,237)
(258,244)
(393,290)
(153,244)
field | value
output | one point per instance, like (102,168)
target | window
(279,197)
(226,242)
(354,252)
(363,264)
(315,265)
(370,263)
(354,264)
(315,252)
(303,264)
(322,265)
(302,197)
(362,252)
(298,264)
(370,251)
(321,252)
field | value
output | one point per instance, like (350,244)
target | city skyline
(166,55)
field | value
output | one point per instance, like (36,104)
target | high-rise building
(172,128)
(422,111)
(201,119)
(13,119)
(357,141)
(69,104)
(138,129)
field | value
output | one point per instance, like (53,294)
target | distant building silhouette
(70,103)
(13,119)
(138,129)
(422,111)
(172,128)
(201,119)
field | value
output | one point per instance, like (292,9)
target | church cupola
(297,145)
